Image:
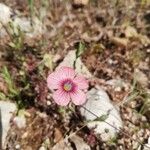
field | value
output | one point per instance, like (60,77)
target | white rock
(42,148)
(147,146)
(38,28)
(48,103)
(23,23)
(20,121)
(6,109)
(5,17)
(99,103)
(5,14)
(17,146)
(80,67)
(25,26)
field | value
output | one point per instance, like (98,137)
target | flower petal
(78,97)
(81,82)
(53,81)
(61,98)
(65,72)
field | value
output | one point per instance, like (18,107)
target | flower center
(68,86)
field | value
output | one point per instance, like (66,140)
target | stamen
(68,85)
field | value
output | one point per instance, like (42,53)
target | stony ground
(113,40)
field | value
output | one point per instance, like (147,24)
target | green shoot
(31,4)
(17,36)
(8,79)
(80,49)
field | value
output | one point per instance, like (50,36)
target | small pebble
(117,89)
(20,122)
(42,115)
(24,135)
(148,50)
(42,148)
(48,103)
(48,96)
(17,146)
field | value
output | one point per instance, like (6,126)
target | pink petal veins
(78,97)
(53,81)
(65,72)
(81,82)
(61,98)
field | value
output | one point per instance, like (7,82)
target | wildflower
(67,86)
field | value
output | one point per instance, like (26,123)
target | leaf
(26,87)
(2,96)
(30,2)
(102,118)
(13,91)
(80,49)
(145,2)
(11,44)
(47,60)
(21,112)
(7,77)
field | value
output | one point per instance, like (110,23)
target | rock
(23,23)
(79,143)
(42,148)
(147,146)
(20,121)
(36,29)
(99,103)
(6,109)
(5,17)
(17,146)
(25,26)
(80,67)
(5,14)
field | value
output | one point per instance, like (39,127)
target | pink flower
(67,86)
